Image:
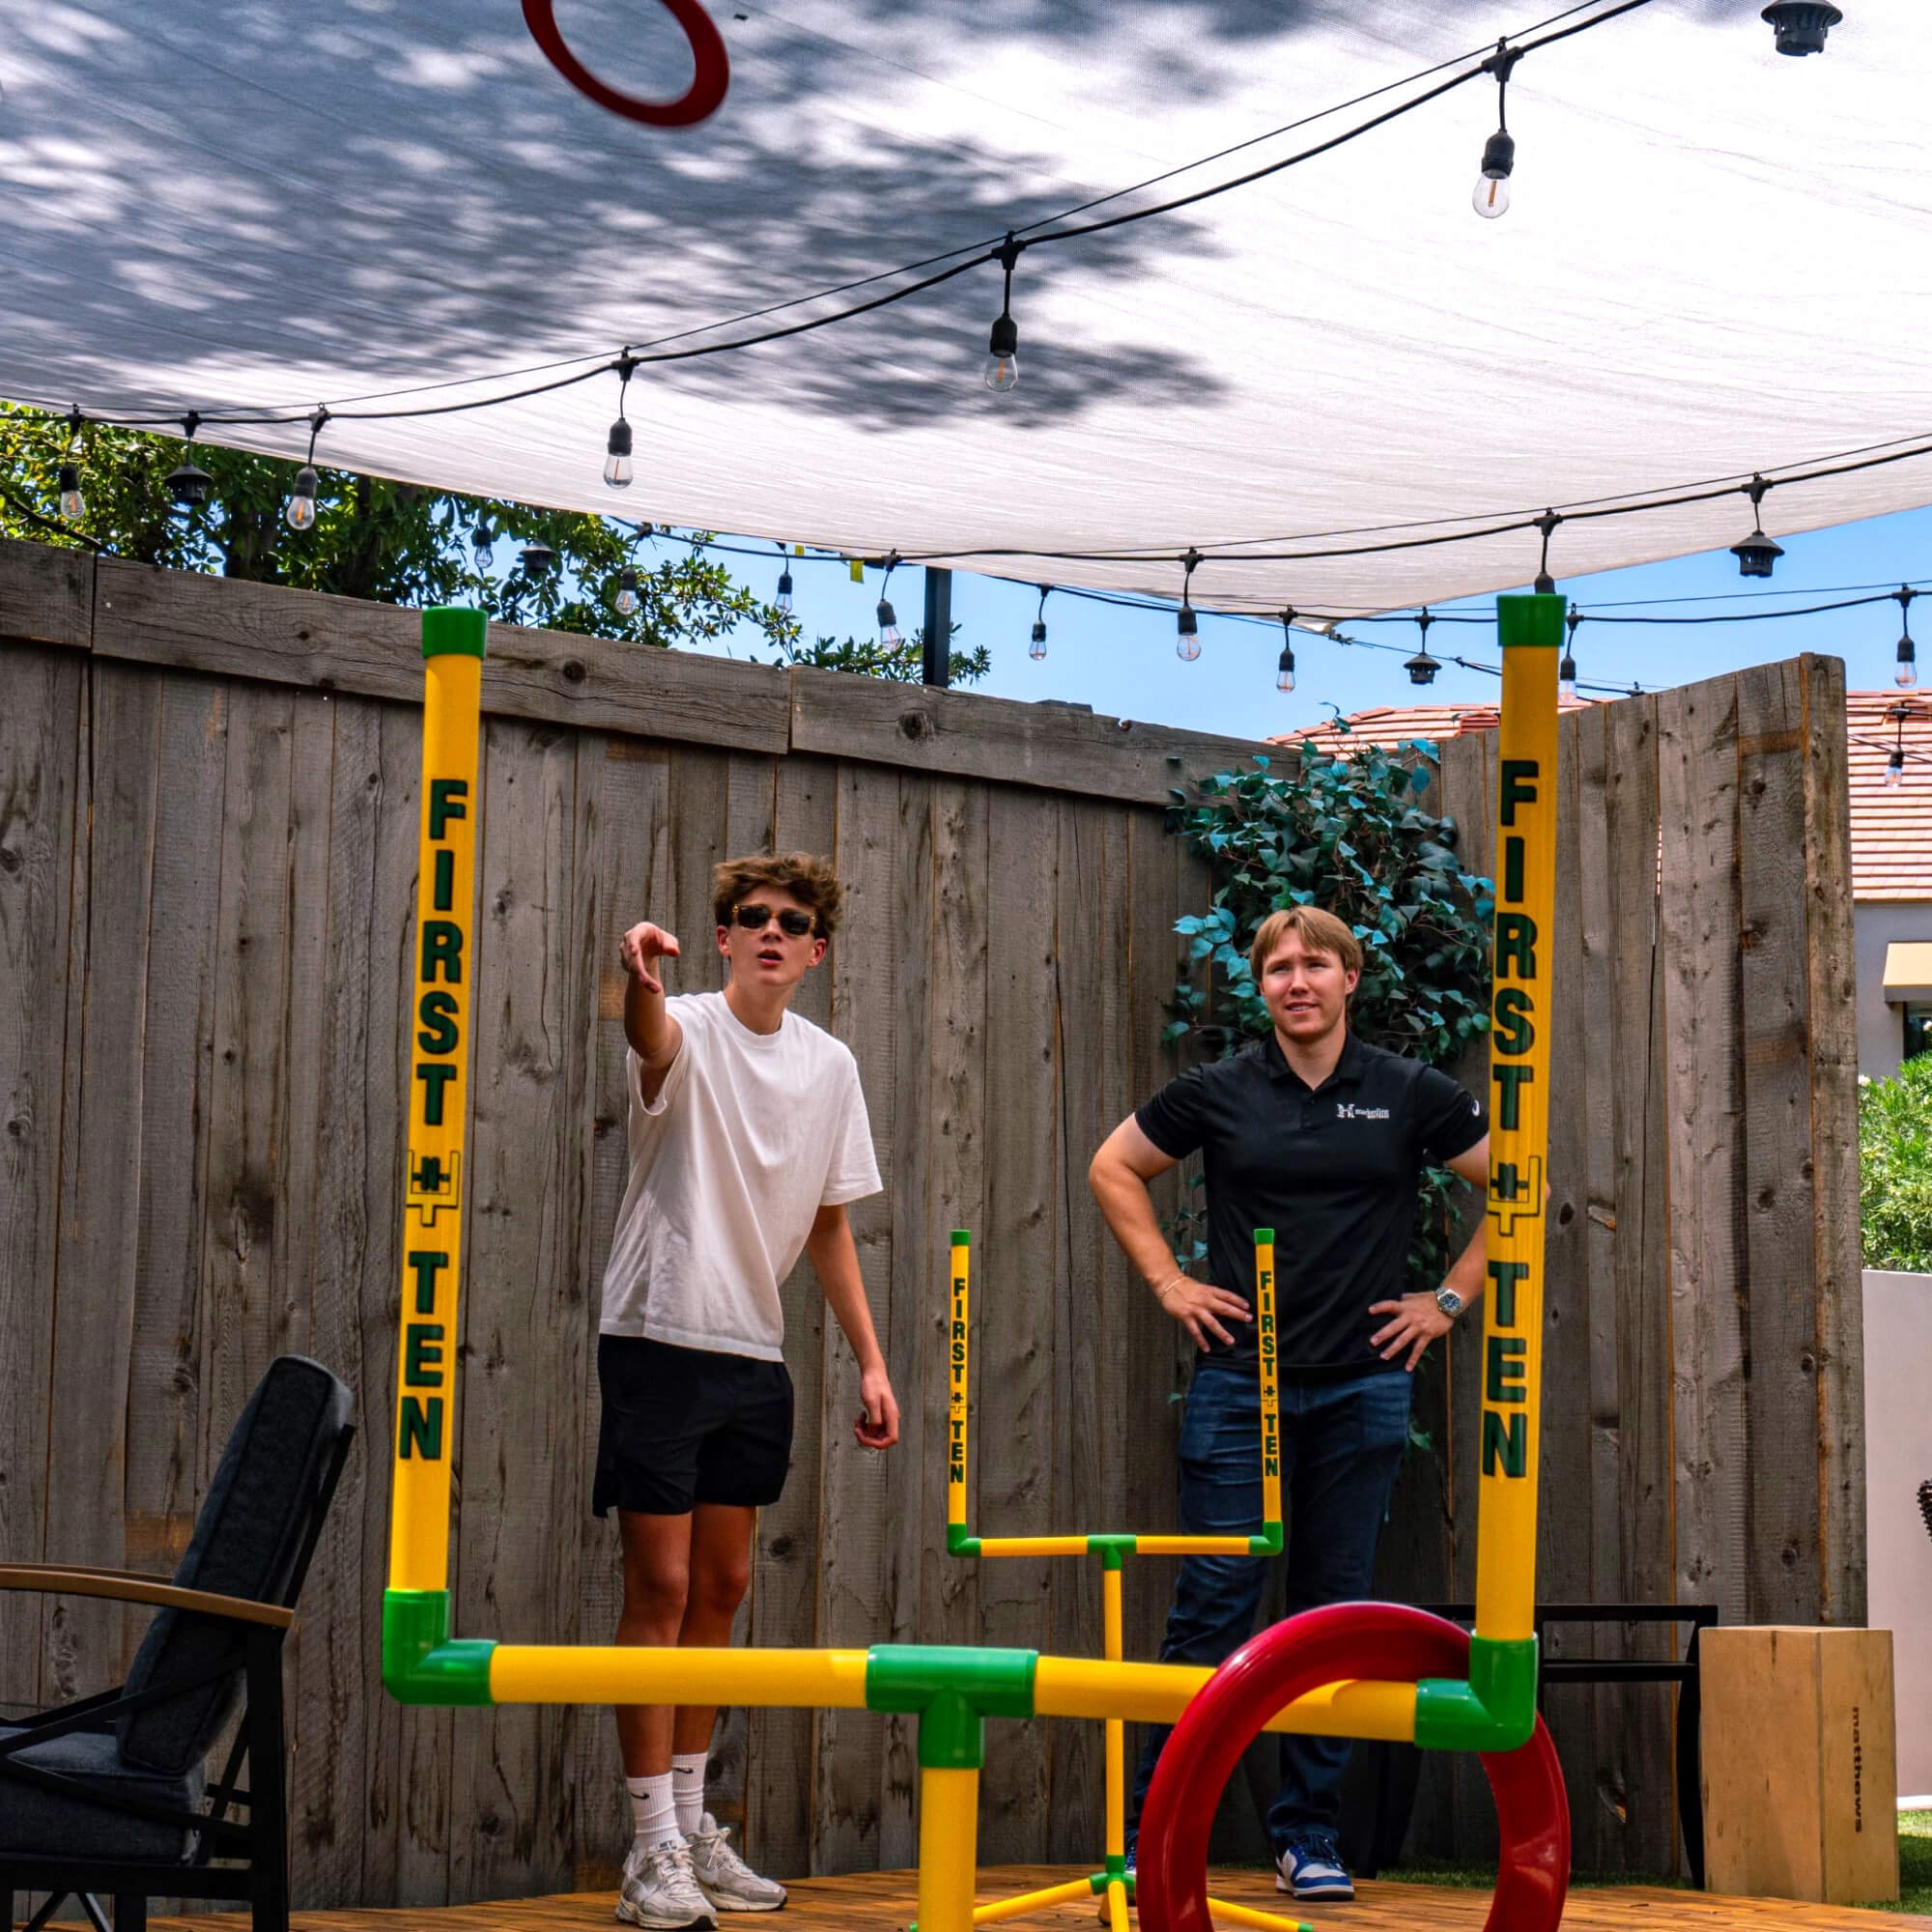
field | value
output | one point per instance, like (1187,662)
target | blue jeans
(1341,1446)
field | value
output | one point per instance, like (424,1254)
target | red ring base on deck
(1291,1660)
(712,75)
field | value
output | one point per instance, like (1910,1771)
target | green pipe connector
(1111,1548)
(1494,1711)
(421,1662)
(960,1540)
(1267,1543)
(449,630)
(952,1689)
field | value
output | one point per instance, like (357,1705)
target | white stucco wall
(1875,924)
(1898,1457)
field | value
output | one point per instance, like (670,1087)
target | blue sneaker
(1311,1868)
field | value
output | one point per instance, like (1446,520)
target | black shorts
(685,1426)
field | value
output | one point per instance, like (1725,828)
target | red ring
(1286,1662)
(708,83)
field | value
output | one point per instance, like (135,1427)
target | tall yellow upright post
(958,1330)
(1510,1381)
(453,645)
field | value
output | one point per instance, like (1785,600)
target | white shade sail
(1717,263)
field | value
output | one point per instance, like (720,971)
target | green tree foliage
(903,664)
(394,543)
(1349,835)
(1895,1168)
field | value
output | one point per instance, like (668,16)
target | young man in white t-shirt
(747,1136)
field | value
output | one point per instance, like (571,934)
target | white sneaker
(727,1881)
(660,1889)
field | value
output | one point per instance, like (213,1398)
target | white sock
(687,1784)
(655,1812)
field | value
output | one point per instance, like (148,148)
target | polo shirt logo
(1347,1111)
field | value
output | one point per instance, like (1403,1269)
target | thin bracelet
(1160,1294)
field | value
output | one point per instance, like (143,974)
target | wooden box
(1800,1775)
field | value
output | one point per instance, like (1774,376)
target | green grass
(1915,1864)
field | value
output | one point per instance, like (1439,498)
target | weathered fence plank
(46,595)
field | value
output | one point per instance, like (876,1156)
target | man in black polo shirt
(1322,1138)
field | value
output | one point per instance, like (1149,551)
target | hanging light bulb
(1188,639)
(626,599)
(890,637)
(1002,361)
(1894,765)
(537,558)
(1284,674)
(1906,676)
(783,599)
(1038,647)
(73,505)
(482,543)
(1422,667)
(1894,768)
(617,445)
(1566,670)
(1491,194)
(1757,553)
(1800,25)
(617,470)
(301,511)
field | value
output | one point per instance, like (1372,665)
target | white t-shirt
(750,1134)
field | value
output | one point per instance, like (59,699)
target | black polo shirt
(1332,1170)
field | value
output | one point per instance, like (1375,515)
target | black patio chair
(109,1796)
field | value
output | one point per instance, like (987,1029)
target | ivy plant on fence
(1352,834)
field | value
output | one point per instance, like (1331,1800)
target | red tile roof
(1891,825)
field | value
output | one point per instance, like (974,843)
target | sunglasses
(792,922)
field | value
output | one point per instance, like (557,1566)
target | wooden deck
(885,1899)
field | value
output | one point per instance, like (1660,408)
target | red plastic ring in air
(1325,1646)
(708,83)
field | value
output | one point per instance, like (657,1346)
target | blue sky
(1123,662)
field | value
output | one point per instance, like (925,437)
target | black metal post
(938,665)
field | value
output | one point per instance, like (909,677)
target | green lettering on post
(1511,1079)
(437,1014)
(1516,945)
(428,1262)
(422,1354)
(442,946)
(1508,1446)
(434,1079)
(422,1429)
(1519,786)
(1506,1275)
(1503,1377)
(446,802)
(1513,1031)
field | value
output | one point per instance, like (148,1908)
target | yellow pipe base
(949,1827)
(1263,1921)
(1023,1902)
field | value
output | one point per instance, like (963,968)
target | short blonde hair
(808,879)
(1318,931)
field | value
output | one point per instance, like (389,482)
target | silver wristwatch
(1450,1302)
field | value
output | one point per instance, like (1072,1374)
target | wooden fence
(208,837)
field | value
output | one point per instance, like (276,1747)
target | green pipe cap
(450,631)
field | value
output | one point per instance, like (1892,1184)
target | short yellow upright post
(949,1825)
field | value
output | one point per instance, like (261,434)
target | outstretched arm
(835,1260)
(654,1035)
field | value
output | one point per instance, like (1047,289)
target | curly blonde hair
(807,878)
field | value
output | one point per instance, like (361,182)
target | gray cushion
(246,1543)
(52,1823)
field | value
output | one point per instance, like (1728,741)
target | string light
(626,599)
(301,512)
(1545,584)
(72,504)
(1907,673)
(1895,766)
(1002,360)
(482,542)
(617,445)
(1036,648)
(187,483)
(1422,667)
(1800,25)
(1565,670)
(783,599)
(1284,675)
(537,558)
(890,637)
(1757,553)
(1187,645)
(1491,195)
